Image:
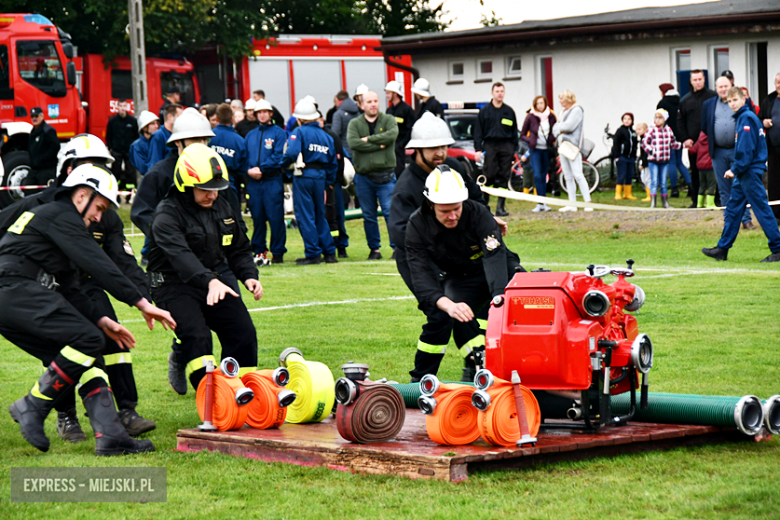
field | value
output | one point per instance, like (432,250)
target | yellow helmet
(201,167)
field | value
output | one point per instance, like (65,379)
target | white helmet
(250,104)
(394,86)
(145,118)
(96,177)
(310,99)
(445,186)
(422,87)
(190,124)
(83,146)
(430,132)
(263,105)
(360,90)
(305,110)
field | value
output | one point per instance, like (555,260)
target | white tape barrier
(527,197)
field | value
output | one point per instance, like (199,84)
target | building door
(758,82)
(546,79)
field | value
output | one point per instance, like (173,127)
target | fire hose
(411,391)
(450,418)
(269,407)
(228,397)
(500,422)
(374,412)
(748,413)
(312,383)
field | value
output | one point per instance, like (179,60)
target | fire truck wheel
(17,167)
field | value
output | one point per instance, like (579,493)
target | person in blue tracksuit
(230,145)
(319,156)
(139,150)
(265,187)
(747,169)
(158,148)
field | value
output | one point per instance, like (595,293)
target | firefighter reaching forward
(46,313)
(193,231)
(460,238)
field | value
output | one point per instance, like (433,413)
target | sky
(466,14)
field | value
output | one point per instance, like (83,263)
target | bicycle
(588,170)
(607,168)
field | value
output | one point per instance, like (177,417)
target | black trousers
(693,189)
(773,178)
(123,170)
(118,362)
(39,177)
(195,320)
(498,162)
(45,325)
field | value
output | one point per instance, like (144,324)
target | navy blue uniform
(232,147)
(158,148)
(265,147)
(748,165)
(309,187)
(139,154)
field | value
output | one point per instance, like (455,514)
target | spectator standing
(334,196)
(148,123)
(537,132)
(172,97)
(769,114)
(428,103)
(43,145)
(658,142)
(717,121)
(332,112)
(624,151)
(372,139)
(495,134)
(249,122)
(158,147)
(404,117)
(689,117)
(569,129)
(671,103)
(708,186)
(238,111)
(347,111)
(121,131)
(230,146)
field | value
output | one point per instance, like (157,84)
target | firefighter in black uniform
(44,308)
(43,146)
(193,232)
(121,131)
(109,234)
(428,103)
(404,116)
(496,138)
(458,262)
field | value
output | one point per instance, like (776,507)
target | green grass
(714,326)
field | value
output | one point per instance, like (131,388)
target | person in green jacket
(372,138)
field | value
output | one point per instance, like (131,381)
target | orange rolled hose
(226,413)
(264,411)
(454,421)
(498,424)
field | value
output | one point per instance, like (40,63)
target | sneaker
(343,252)
(538,208)
(375,255)
(262,259)
(567,208)
(68,427)
(176,376)
(277,259)
(716,253)
(774,257)
(135,424)
(331,259)
(308,261)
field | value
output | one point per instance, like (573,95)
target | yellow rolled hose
(313,385)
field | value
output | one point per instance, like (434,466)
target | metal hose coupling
(749,415)
(772,414)
(281,376)
(229,367)
(375,414)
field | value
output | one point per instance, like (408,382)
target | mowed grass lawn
(715,328)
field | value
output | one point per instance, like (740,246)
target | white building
(613,62)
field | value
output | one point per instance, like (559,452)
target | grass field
(715,328)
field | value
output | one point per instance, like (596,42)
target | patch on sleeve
(21,222)
(128,248)
(293,137)
(491,243)
(227,240)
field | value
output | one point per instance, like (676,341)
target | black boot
(653,201)
(134,423)
(31,410)
(716,253)
(69,428)
(501,208)
(111,438)
(665,201)
(469,369)
(425,363)
(675,192)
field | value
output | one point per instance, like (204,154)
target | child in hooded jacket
(707,183)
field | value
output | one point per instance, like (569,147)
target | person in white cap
(428,103)
(360,90)
(404,116)
(148,123)
(249,122)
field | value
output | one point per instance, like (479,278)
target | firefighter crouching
(46,313)
(109,234)
(460,239)
(194,230)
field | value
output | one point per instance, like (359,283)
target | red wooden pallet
(413,454)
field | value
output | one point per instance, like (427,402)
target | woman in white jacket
(569,128)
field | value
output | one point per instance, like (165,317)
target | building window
(682,59)
(457,71)
(720,60)
(514,67)
(484,69)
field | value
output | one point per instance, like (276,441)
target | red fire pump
(572,343)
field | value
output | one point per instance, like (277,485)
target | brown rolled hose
(377,414)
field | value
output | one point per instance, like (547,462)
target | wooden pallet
(412,454)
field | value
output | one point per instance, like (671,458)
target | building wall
(607,78)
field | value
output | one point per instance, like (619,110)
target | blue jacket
(139,155)
(158,149)
(232,147)
(750,151)
(265,146)
(319,152)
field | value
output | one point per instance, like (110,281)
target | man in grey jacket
(347,111)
